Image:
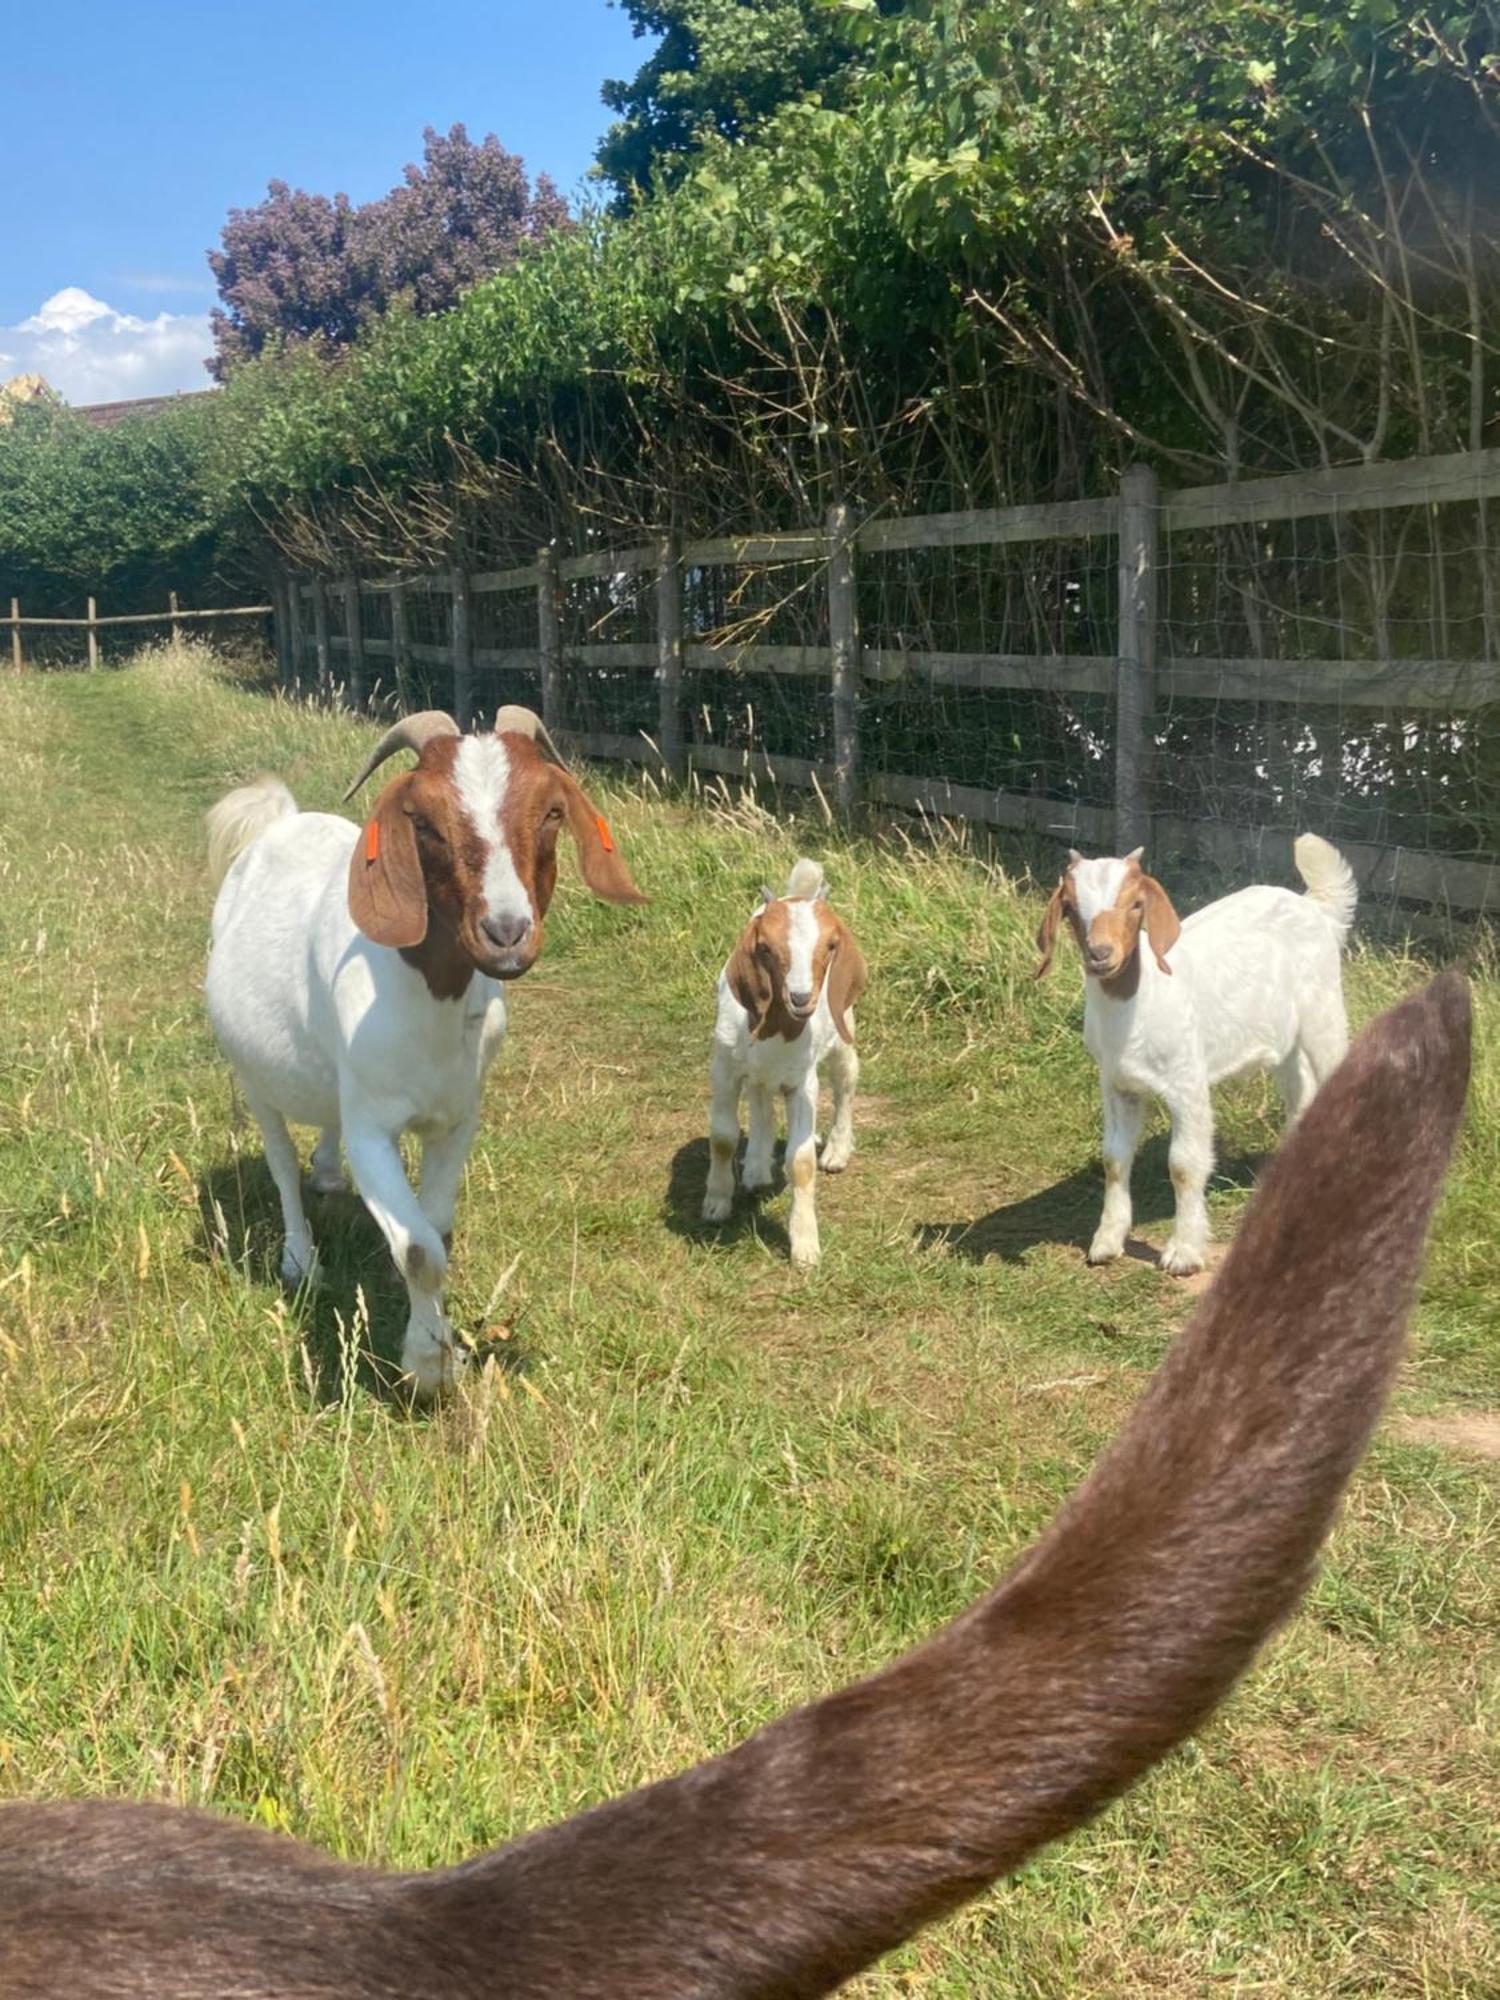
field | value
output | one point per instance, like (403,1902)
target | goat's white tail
(807,879)
(242,816)
(1329,878)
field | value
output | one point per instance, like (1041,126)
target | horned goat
(355,975)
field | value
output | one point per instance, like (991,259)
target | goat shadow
(682,1207)
(239,1215)
(1068,1211)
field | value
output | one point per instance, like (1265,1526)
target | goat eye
(426,828)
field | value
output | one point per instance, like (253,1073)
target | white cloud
(90,353)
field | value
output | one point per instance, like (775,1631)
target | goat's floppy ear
(599,859)
(1046,937)
(387,892)
(847,973)
(1163,927)
(749,981)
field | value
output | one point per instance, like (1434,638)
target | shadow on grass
(682,1209)
(1068,1211)
(240,1223)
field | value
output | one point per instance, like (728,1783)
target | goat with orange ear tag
(356,981)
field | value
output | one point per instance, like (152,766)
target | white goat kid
(354,977)
(1252,982)
(786,1006)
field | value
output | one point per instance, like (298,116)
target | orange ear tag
(372,841)
(603,825)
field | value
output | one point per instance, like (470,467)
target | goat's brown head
(1107,903)
(791,951)
(459,854)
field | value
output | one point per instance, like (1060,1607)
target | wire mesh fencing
(1216,669)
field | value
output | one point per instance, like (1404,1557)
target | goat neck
(441,959)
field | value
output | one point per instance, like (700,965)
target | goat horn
(412,732)
(526,722)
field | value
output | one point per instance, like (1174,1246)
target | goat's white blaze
(802,942)
(1097,885)
(481,773)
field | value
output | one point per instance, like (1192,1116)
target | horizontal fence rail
(1208,670)
(94,623)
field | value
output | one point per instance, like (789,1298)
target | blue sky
(132,130)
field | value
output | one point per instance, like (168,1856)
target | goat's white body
(1255,984)
(324,1028)
(1246,972)
(771,1067)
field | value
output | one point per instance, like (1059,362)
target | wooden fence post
(843,640)
(669,657)
(278,629)
(93,638)
(399,658)
(320,634)
(461,633)
(1139,504)
(286,658)
(176,628)
(549,637)
(17,656)
(354,637)
(293,590)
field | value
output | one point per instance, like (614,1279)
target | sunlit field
(688,1487)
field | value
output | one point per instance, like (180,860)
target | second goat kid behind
(786,1001)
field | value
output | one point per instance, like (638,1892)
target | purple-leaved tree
(303,266)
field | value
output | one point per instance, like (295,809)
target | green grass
(704,1487)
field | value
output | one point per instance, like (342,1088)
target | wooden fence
(93,624)
(1159,664)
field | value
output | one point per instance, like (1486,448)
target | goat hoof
(300,1267)
(805,1255)
(834,1162)
(1178,1262)
(1104,1250)
(758,1182)
(329,1180)
(432,1374)
(716,1207)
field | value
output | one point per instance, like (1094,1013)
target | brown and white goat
(1172,1007)
(786,1006)
(354,981)
(778,1870)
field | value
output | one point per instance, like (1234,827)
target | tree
(126,513)
(303,266)
(721,68)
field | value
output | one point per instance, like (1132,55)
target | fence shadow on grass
(1068,1211)
(682,1207)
